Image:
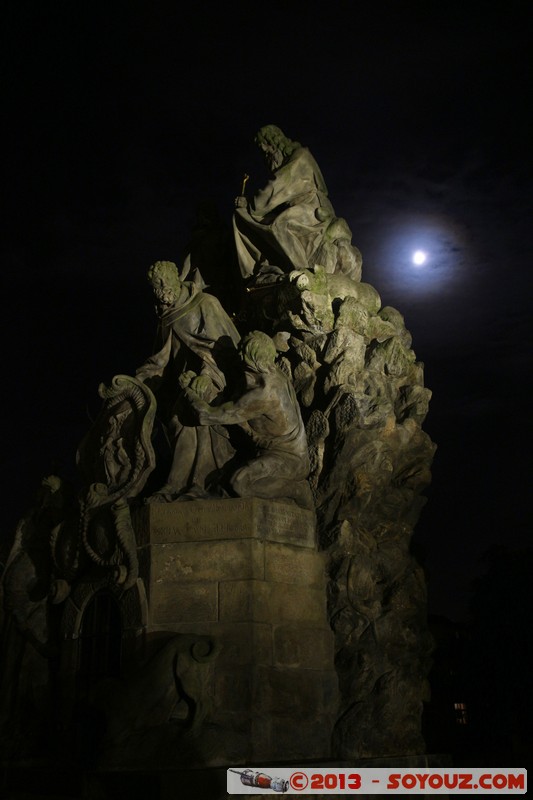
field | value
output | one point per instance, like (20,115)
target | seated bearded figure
(290,224)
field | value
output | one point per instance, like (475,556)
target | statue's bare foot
(167,494)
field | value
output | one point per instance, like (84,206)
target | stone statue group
(286,237)
(192,374)
(311,396)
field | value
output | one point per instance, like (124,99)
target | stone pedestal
(247,572)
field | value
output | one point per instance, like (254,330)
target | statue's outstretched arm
(247,407)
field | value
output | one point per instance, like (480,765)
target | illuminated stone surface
(254,582)
(205,631)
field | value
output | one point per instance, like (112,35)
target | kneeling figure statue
(269,413)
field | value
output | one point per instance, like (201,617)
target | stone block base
(247,573)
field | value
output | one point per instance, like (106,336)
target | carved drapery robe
(196,334)
(286,221)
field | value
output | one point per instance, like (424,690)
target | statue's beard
(274,160)
(165,297)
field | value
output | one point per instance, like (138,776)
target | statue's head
(258,351)
(276,147)
(165,280)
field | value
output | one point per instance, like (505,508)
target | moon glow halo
(419,258)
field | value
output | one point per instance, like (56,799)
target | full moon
(419,257)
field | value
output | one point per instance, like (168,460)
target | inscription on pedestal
(280,522)
(233,518)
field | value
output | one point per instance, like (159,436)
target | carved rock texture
(363,393)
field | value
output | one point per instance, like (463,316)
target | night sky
(120,120)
